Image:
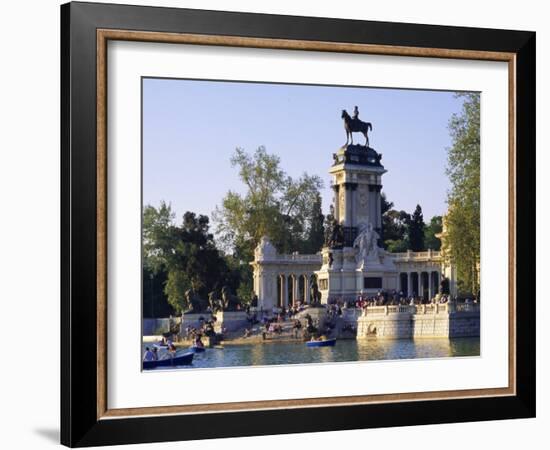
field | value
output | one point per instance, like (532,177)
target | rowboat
(326,343)
(182,360)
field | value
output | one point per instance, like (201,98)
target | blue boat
(326,343)
(196,349)
(183,360)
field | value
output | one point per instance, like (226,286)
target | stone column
(409,283)
(336,188)
(419,285)
(295,288)
(380,207)
(351,207)
(347,205)
(280,285)
(430,282)
(307,300)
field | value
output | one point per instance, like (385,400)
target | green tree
(463,169)
(396,245)
(155,302)
(158,237)
(274,205)
(416,230)
(315,219)
(185,256)
(394,227)
(434,227)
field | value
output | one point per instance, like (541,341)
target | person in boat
(172,350)
(149,355)
(198,342)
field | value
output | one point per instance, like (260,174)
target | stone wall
(405,322)
(430,325)
(464,324)
(385,324)
(157,326)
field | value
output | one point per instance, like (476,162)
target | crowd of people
(383,298)
(271,322)
(205,328)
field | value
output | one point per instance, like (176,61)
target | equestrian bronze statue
(354,125)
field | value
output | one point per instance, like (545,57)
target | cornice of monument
(357,155)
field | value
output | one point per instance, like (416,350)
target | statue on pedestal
(265,249)
(367,244)
(230,302)
(354,125)
(195,304)
(329,225)
(315,295)
(214,302)
(334,233)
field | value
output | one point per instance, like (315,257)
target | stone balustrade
(414,321)
(316,258)
(430,308)
(430,255)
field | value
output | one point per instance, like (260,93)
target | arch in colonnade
(425,286)
(435,276)
(404,282)
(415,284)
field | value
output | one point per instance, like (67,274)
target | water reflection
(345,350)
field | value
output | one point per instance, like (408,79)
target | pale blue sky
(191,128)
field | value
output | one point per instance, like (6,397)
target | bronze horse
(355,126)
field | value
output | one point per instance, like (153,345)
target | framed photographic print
(276,224)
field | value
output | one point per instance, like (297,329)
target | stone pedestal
(230,321)
(193,320)
(345,277)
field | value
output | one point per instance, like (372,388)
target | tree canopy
(285,209)
(430,231)
(394,227)
(416,230)
(403,231)
(463,169)
(184,255)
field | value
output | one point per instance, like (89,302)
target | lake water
(276,353)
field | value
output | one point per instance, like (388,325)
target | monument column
(336,188)
(356,176)
(430,282)
(419,284)
(409,284)
(306,290)
(348,205)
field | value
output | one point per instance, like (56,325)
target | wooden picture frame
(85,416)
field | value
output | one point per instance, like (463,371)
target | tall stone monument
(353,262)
